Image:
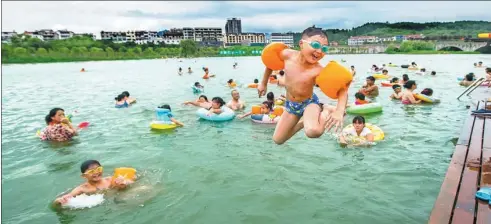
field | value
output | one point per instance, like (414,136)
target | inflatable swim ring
(415,68)
(484,35)
(271,56)
(378,134)
(253,85)
(272,118)
(334,78)
(425,98)
(387,84)
(163,121)
(380,76)
(196,89)
(232,85)
(364,108)
(226,115)
(392,65)
(404,66)
(84,201)
(279,102)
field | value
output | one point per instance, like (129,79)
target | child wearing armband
(302,72)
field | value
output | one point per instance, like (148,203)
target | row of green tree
(411,46)
(25,49)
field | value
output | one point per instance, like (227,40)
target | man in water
(235,103)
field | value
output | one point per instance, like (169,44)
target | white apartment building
(64,34)
(245,38)
(6,36)
(359,40)
(286,38)
(117,37)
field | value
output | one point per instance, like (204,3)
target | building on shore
(117,37)
(233,26)
(7,36)
(208,36)
(64,34)
(245,39)
(286,38)
(360,40)
(170,37)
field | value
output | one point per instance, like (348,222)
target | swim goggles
(95,170)
(317,45)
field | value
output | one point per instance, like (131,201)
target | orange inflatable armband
(127,173)
(256,109)
(271,56)
(252,85)
(278,111)
(333,78)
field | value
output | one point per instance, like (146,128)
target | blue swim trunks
(298,108)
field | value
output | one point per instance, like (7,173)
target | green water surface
(231,172)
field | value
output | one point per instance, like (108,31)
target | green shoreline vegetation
(25,49)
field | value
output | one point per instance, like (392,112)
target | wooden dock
(469,170)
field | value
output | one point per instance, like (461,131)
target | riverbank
(435,52)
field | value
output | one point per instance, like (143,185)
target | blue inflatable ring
(227,114)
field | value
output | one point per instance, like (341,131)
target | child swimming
(92,171)
(128,98)
(360,99)
(189,70)
(121,101)
(468,80)
(394,80)
(397,94)
(358,131)
(266,108)
(198,88)
(216,105)
(408,95)
(353,71)
(231,83)
(405,78)
(370,89)
(180,71)
(202,101)
(302,68)
(167,117)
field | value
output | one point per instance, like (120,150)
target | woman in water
(121,101)
(59,129)
(128,98)
(202,101)
(468,80)
(408,95)
(216,105)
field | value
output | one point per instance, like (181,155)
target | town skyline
(266,17)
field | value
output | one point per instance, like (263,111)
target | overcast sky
(92,16)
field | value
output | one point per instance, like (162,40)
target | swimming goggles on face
(317,45)
(95,170)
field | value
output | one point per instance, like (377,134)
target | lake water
(228,172)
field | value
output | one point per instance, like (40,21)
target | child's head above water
(217,102)
(411,84)
(56,114)
(266,107)
(120,97)
(126,93)
(488,70)
(405,78)
(475,64)
(359,96)
(427,91)
(313,45)
(423,70)
(91,170)
(256,81)
(370,80)
(203,98)
(396,88)
(270,96)
(230,81)
(165,106)
(197,84)
(433,73)
(394,80)
(385,71)
(469,77)
(359,123)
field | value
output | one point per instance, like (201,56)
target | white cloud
(95,16)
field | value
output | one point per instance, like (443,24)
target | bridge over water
(380,48)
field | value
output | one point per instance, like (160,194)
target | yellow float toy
(378,134)
(127,173)
(253,85)
(484,35)
(380,76)
(163,122)
(279,102)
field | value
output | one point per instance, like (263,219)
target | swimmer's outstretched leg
(287,126)
(315,119)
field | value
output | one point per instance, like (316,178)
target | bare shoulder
(288,53)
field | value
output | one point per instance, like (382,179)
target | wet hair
(427,91)
(165,106)
(189,67)
(488,70)
(196,84)
(51,114)
(120,97)
(423,70)
(393,80)
(469,77)
(405,77)
(180,68)
(475,64)
(218,100)
(230,81)
(312,31)
(413,63)
(269,105)
(394,87)
(360,96)
(256,81)
(282,72)
(126,93)
(433,73)
(359,119)
(371,78)
(480,62)
(352,66)
(384,71)
(206,98)
(374,66)
(85,165)
(270,96)
(409,84)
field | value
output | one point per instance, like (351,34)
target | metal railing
(472,87)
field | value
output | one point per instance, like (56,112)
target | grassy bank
(435,52)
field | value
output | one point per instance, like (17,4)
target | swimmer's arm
(369,137)
(342,100)
(245,115)
(63,199)
(176,121)
(413,100)
(216,111)
(267,73)
(192,103)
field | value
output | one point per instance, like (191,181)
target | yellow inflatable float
(380,76)
(484,35)
(127,173)
(378,134)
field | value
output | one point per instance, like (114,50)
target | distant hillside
(432,30)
